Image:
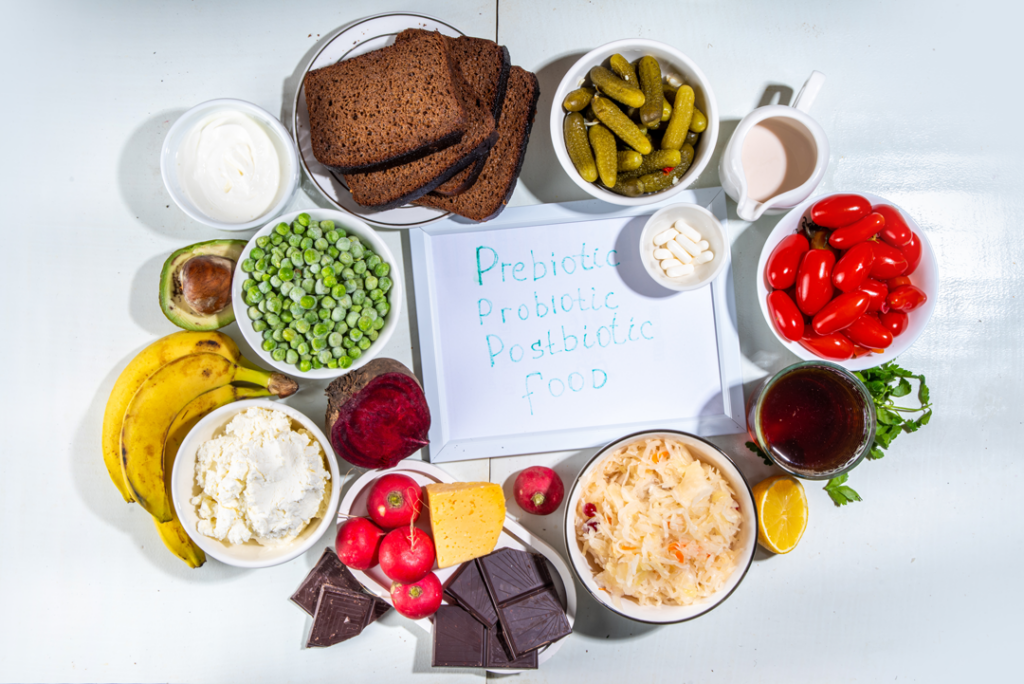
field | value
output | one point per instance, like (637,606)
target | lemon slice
(781,513)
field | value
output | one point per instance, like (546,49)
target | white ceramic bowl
(705,223)
(925,277)
(278,134)
(183,488)
(747,540)
(671,61)
(354,227)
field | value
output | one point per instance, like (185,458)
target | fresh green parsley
(885,383)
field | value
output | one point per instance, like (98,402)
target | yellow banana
(176,539)
(147,362)
(173,533)
(153,408)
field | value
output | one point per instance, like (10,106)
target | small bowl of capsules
(684,247)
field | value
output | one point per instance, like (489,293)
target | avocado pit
(205,283)
(195,284)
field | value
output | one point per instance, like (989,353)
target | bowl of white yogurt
(229,164)
(255,484)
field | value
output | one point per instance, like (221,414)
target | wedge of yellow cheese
(466,519)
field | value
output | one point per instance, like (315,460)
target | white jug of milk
(776,157)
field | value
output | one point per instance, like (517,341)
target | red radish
(358,543)
(406,557)
(539,490)
(394,501)
(377,415)
(417,600)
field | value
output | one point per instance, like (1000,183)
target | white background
(919,582)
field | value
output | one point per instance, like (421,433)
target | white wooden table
(920,581)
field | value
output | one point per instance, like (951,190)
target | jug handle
(805,99)
(749,209)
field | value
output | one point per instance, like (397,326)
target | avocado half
(195,284)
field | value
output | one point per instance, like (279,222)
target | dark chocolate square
(340,615)
(533,621)
(330,570)
(459,639)
(510,573)
(498,656)
(467,587)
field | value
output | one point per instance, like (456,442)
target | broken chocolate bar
(330,570)
(458,639)
(510,573)
(498,656)
(467,588)
(340,614)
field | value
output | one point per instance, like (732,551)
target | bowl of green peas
(317,292)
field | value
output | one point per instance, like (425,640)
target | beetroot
(405,556)
(538,490)
(417,600)
(394,501)
(377,415)
(358,543)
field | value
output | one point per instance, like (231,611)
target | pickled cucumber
(630,160)
(611,116)
(615,88)
(575,132)
(621,66)
(578,99)
(655,161)
(658,180)
(682,114)
(666,110)
(631,187)
(650,83)
(699,122)
(603,143)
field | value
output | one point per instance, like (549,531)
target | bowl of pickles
(634,122)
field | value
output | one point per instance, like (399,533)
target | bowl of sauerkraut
(660,526)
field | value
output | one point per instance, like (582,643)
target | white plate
(351,40)
(513,535)
(925,277)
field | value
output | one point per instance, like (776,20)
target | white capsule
(688,244)
(704,257)
(679,271)
(670,263)
(678,251)
(703,245)
(662,238)
(662,254)
(687,230)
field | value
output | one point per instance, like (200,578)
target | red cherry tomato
(814,280)
(869,332)
(836,346)
(787,318)
(864,229)
(894,321)
(912,252)
(906,298)
(853,267)
(784,261)
(840,312)
(898,281)
(895,232)
(878,291)
(889,262)
(839,210)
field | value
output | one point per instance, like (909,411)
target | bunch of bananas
(165,390)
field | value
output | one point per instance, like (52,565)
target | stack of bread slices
(437,121)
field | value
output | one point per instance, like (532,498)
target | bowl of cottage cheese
(255,483)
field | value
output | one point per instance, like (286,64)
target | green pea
(306,357)
(296,310)
(355,334)
(303,348)
(262,241)
(333,363)
(358,297)
(320,288)
(334,339)
(323,314)
(291,356)
(263,277)
(344,362)
(276,239)
(325,356)
(384,284)
(288,334)
(378,324)
(276,336)
(272,319)
(318,343)
(253,296)
(348,343)
(355,352)
(259,325)
(373,335)
(315,362)
(382,269)
(248,265)
(307,243)
(370,282)
(364,343)
(286,288)
(296,294)
(269,345)
(302,219)
(264,287)
(364,323)
(305,365)
(328,303)
(307,284)
(359,267)
(337,314)
(315,232)
(268,334)
(294,240)
(344,244)
(327,224)
(352,319)
(333,251)
(247,283)
(257,253)
(345,301)
(345,258)
(358,251)
(376,295)
(282,229)
(320,244)
(279,354)
(371,313)
(313,223)
(302,326)
(311,256)
(332,235)
(298,228)
(314,269)
(320,329)
(382,307)
(286,316)
(356,308)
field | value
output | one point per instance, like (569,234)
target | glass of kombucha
(815,419)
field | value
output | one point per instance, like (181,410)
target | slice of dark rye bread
(485,66)
(492,190)
(386,107)
(398,185)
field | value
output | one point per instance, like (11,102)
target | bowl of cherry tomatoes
(850,278)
